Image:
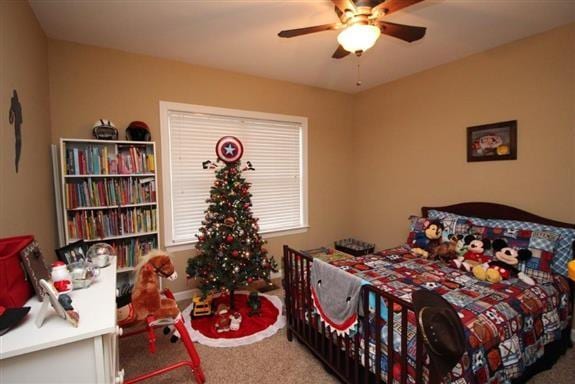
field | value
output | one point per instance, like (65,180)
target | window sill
(266,235)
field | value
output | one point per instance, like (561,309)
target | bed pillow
(563,251)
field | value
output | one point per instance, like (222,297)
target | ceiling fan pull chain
(358,82)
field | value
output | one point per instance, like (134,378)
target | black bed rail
(349,356)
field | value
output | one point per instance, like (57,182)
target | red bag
(15,288)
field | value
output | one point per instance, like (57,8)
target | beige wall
(26,197)
(410,136)
(87,83)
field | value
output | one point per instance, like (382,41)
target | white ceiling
(241,36)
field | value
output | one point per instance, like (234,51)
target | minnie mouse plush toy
(505,264)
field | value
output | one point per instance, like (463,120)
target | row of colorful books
(110,192)
(129,251)
(93,225)
(99,160)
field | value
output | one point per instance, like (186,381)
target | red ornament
(235,253)
(229,238)
(201,237)
(250,280)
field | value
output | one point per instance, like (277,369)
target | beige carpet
(270,361)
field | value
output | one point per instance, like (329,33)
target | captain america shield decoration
(229,149)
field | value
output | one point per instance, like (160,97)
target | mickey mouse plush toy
(505,264)
(475,254)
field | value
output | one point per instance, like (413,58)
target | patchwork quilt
(506,324)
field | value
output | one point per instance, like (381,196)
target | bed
(530,326)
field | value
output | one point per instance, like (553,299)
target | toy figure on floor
(15,117)
(146,298)
(505,264)
(255,304)
(425,242)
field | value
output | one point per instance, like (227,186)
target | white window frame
(165,107)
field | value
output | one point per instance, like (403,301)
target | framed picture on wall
(496,141)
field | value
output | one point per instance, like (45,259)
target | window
(276,145)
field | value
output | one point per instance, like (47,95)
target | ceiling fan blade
(339,53)
(389,6)
(404,32)
(342,5)
(306,30)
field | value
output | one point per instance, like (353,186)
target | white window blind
(274,144)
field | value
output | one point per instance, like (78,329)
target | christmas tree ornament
(229,150)
(229,238)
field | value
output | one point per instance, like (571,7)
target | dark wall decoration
(496,141)
(15,117)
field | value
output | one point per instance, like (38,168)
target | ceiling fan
(362,25)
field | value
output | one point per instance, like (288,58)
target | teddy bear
(504,264)
(475,254)
(426,241)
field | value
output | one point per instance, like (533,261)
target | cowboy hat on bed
(441,329)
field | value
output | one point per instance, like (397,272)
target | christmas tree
(231,251)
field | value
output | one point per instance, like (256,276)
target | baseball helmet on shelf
(138,131)
(105,130)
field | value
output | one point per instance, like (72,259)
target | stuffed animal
(504,265)
(426,241)
(475,254)
(447,250)
(222,320)
(146,298)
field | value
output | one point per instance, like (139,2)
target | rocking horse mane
(145,259)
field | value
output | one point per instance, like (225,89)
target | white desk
(59,353)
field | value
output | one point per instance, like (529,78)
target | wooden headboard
(495,211)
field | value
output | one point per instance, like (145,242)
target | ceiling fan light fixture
(358,37)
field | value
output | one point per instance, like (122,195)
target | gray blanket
(335,295)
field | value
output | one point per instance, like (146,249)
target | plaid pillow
(562,251)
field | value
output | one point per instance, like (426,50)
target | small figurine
(222,320)
(71,315)
(255,304)
(236,320)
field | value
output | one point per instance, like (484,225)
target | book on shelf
(100,224)
(109,192)
(129,251)
(98,160)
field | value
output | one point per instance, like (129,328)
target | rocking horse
(148,306)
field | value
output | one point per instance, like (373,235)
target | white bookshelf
(109,194)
